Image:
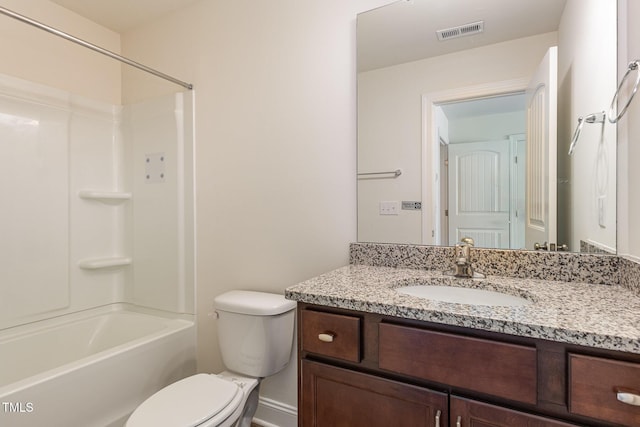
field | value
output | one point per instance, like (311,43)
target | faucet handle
(467,240)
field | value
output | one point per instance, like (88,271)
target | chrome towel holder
(591,118)
(612,116)
(396,173)
(633,66)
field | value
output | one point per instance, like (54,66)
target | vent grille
(460,31)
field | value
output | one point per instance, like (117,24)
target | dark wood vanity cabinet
(361,369)
(497,368)
(335,397)
(594,383)
(471,413)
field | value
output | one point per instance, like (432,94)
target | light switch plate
(389,208)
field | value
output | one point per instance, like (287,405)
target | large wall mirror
(466,113)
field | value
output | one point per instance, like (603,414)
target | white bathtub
(91,368)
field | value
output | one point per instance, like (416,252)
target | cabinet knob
(438,418)
(628,396)
(326,336)
(459,421)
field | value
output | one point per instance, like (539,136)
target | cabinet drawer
(593,386)
(496,368)
(329,334)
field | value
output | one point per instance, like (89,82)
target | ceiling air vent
(460,31)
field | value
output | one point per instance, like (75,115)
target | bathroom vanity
(372,356)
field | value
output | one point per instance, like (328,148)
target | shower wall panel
(34,226)
(97,224)
(158,135)
(97,203)
(53,147)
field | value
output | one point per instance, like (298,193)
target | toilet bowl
(255,332)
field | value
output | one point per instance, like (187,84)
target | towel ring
(633,66)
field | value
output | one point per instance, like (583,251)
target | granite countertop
(601,316)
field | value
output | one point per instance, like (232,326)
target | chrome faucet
(462,263)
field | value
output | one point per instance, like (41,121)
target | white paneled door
(541,176)
(479,202)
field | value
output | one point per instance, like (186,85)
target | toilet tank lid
(254,303)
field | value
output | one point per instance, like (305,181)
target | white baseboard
(271,413)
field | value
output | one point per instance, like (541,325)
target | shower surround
(97,211)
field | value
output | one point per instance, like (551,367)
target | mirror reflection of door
(541,210)
(482,171)
(479,193)
(485,161)
(444,190)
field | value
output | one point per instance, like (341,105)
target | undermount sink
(459,295)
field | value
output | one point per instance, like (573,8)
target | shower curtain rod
(92,46)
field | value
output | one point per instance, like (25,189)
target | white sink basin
(458,295)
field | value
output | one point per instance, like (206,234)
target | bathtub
(91,368)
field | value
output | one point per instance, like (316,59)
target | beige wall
(34,55)
(275,143)
(586,83)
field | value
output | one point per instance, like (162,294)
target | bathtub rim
(176,323)
(69,317)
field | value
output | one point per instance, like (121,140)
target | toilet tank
(255,331)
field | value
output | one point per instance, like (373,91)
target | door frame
(430,143)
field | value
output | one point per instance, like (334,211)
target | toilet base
(251,389)
(250,408)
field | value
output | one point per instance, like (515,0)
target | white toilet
(255,333)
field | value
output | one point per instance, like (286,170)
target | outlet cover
(411,206)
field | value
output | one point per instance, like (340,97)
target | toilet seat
(189,402)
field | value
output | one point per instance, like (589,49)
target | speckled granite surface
(629,274)
(579,313)
(591,248)
(564,266)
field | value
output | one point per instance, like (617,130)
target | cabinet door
(334,397)
(469,413)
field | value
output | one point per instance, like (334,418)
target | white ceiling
(399,32)
(123,15)
(406,30)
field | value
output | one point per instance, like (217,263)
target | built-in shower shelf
(104,196)
(107,262)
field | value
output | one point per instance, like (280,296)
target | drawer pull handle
(459,421)
(628,396)
(438,418)
(326,336)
